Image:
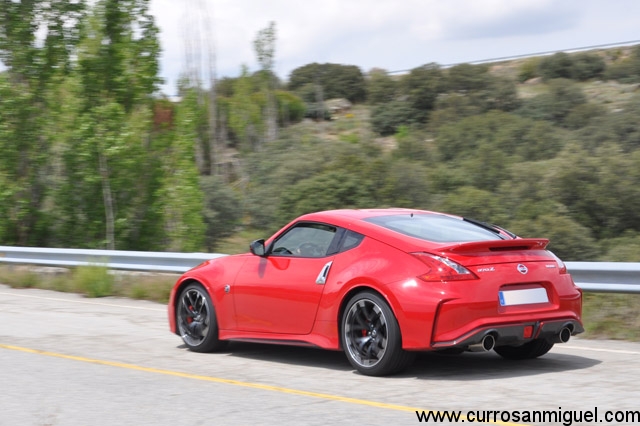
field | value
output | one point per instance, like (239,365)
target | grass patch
(20,279)
(92,281)
(611,316)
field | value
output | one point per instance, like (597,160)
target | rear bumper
(514,334)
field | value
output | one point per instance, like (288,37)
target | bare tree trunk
(108,202)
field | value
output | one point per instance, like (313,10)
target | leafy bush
(291,109)
(467,77)
(421,88)
(381,87)
(558,65)
(221,210)
(563,96)
(94,281)
(625,248)
(587,66)
(568,239)
(387,118)
(528,69)
(626,70)
(583,114)
(329,190)
(336,81)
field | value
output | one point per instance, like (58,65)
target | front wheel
(532,349)
(371,337)
(196,319)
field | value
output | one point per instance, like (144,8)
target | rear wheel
(532,349)
(196,319)
(371,337)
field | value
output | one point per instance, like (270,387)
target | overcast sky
(389,34)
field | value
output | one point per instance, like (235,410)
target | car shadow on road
(489,365)
(294,355)
(431,366)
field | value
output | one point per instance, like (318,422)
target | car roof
(354,219)
(360,214)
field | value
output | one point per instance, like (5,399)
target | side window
(305,240)
(351,240)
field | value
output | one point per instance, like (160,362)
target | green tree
(37,41)
(627,69)
(528,69)
(329,190)
(334,80)
(621,128)
(386,119)
(245,116)
(498,133)
(222,210)
(587,66)
(473,90)
(291,109)
(474,203)
(421,88)
(381,87)
(625,248)
(118,57)
(179,197)
(23,22)
(107,170)
(568,239)
(563,96)
(467,77)
(558,65)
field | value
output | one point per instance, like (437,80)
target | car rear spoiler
(498,245)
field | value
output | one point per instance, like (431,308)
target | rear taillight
(443,269)
(561,266)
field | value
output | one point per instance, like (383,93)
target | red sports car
(381,285)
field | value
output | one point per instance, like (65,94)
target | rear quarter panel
(390,272)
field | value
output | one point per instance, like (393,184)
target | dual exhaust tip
(488,342)
(563,336)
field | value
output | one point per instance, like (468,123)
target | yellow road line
(260,386)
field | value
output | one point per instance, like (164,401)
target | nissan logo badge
(522,269)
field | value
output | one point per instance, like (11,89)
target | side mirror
(257,248)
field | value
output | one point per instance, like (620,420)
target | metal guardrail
(606,277)
(112,259)
(603,277)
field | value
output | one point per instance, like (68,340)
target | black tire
(532,349)
(196,320)
(370,336)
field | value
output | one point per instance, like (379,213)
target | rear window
(435,227)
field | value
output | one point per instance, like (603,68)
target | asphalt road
(69,360)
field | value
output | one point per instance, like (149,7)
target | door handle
(322,276)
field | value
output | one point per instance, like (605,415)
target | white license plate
(523,297)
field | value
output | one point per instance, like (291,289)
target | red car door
(280,292)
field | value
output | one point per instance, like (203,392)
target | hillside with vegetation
(93,157)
